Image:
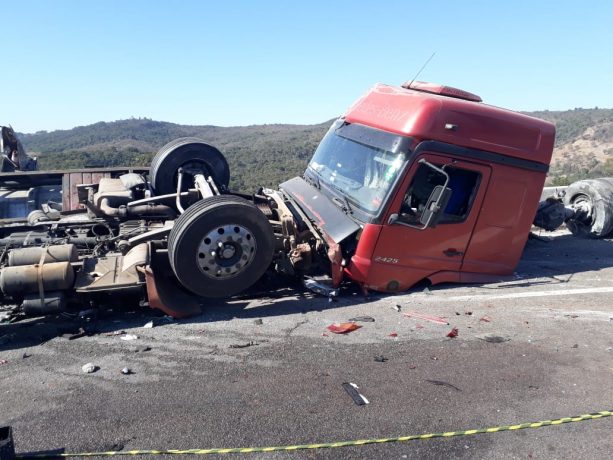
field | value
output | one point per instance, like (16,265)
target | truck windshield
(362,173)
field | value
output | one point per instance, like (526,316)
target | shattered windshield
(363,173)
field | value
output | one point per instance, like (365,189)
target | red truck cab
(401,153)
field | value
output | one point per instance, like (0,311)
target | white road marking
(514,295)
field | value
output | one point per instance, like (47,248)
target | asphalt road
(227,379)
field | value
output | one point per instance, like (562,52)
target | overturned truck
(412,183)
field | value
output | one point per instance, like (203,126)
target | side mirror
(435,206)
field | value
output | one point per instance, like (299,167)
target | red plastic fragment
(343,328)
(453,333)
(394,334)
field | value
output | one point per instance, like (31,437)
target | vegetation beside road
(265,155)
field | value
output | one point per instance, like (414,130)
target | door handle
(452,252)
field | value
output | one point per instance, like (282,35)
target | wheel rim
(584,205)
(226,251)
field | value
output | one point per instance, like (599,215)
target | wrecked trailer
(412,183)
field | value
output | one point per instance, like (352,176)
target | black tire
(186,152)
(595,197)
(208,269)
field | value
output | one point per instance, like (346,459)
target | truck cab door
(405,253)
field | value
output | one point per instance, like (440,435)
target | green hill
(259,155)
(265,155)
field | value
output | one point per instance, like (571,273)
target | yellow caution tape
(329,445)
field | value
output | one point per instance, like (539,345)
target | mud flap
(164,291)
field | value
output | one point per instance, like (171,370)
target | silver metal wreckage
(164,236)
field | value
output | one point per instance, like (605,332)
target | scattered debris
(380,359)
(3,362)
(427,291)
(81,332)
(141,349)
(343,328)
(444,384)
(258,321)
(149,325)
(491,338)
(573,316)
(363,319)
(129,337)
(485,319)
(419,326)
(352,390)
(75,335)
(397,307)
(457,313)
(243,345)
(89,368)
(321,288)
(25,355)
(393,334)
(432,319)
(126,371)
(575,345)
(412,366)
(468,313)
(453,333)
(325,335)
(114,333)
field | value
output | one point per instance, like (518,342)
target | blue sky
(69,63)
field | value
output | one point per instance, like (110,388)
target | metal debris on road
(431,318)
(243,345)
(114,333)
(491,338)
(443,384)
(352,390)
(363,319)
(453,333)
(343,328)
(89,368)
(126,371)
(129,337)
(321,288)
(397,307)
(380,359)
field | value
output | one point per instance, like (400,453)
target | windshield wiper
(343,203)
(313,179)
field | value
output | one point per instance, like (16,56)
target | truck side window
(464,184)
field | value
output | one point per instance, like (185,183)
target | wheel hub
(226,251)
